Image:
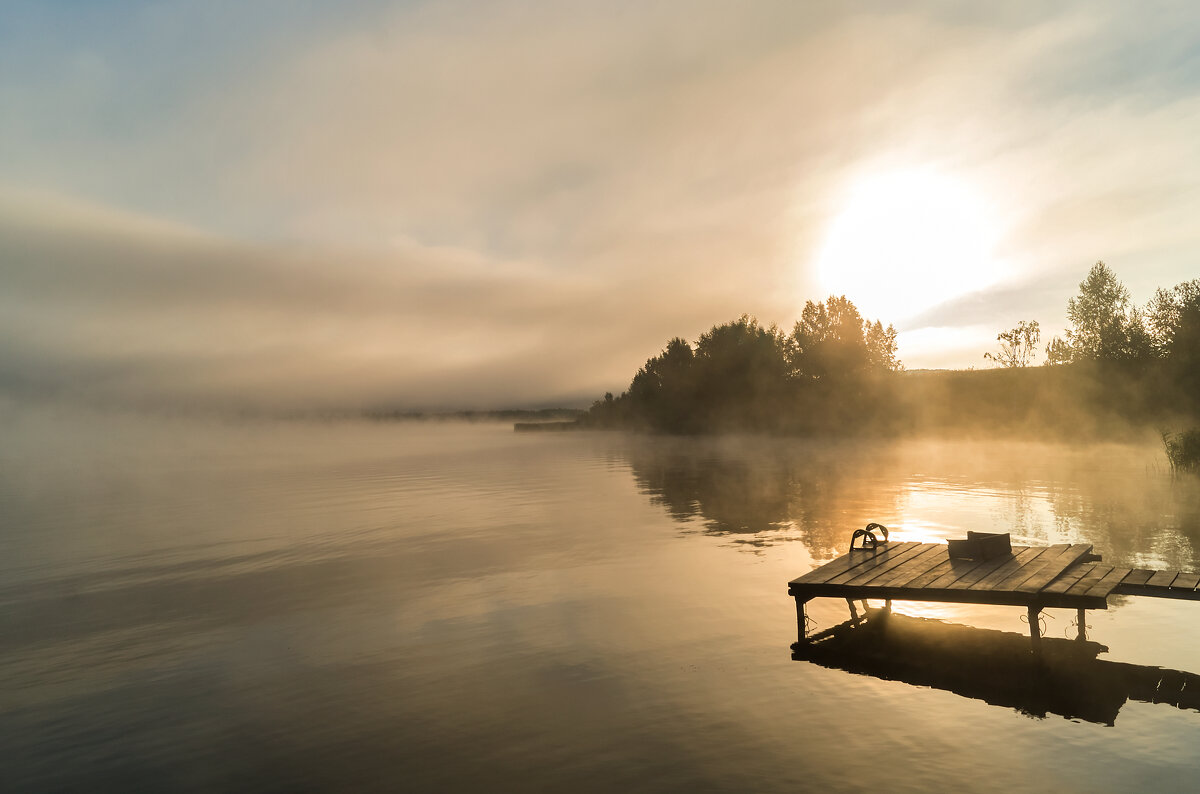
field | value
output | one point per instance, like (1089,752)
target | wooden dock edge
(1156,592)
(958,596)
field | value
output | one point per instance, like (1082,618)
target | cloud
(510,202)
(110,305)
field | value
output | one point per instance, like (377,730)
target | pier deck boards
(1052,576)
(1065,576)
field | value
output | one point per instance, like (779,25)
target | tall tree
(881,347)
(741,374)
(1174,315)
(661,390)
(1097,315)
(1103,328)
(832,340)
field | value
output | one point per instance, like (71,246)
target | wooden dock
(1036,577)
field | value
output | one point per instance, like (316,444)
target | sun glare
(906,241)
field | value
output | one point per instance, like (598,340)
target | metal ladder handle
(869,541)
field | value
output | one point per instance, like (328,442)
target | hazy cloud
(515,202)
(107,305)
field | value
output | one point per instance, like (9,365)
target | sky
(514,204)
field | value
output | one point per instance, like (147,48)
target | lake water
(193,605)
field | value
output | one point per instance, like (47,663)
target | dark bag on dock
(981,546)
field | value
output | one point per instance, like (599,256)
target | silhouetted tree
(607,412)
(832,339)
(881,348)
(1173,317)
(1017,346)
(662,389)
(1057,352)
(838,360)
(1103,326)
(744,376)
(1174,314)
(741,375)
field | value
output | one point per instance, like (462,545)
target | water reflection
(771,489)
(443,607)
(997,667)
(757,491)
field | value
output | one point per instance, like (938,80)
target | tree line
(836,372)
(828,370)
(1105,327)
(1149,353)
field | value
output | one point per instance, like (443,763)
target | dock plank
(865,572)
(823,573)
(1139,576)
(1186,581)
(1098,572)
(958,569)
(875,576)
(1138,584)
(922,581)
(1020,559)
(1162,578)
(914,567)
(987,568)
(1068,578)
(1031,567)
(1053,568)
(1105,586)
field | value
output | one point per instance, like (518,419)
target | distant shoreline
(547,427)
(519,415)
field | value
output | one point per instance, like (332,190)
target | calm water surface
(192,605)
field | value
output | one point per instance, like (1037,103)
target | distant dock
(1035,577)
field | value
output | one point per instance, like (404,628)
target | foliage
(832,339)
(744,376)
(1174,316)
(662,382)
(1183,450)
(741,377)
(836,372)
(881,348)
(1103,327)
(1017,346)
(606,412)
(1057,352)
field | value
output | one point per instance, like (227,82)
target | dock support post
(1035,629)
(801,621)
(1081,625)
(887,604)
(853,609)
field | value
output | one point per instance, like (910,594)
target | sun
(906,241)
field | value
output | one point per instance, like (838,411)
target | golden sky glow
(458,203)
(906,241)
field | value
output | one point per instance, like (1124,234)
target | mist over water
(292,606)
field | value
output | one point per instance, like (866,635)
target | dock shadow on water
(997,667)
